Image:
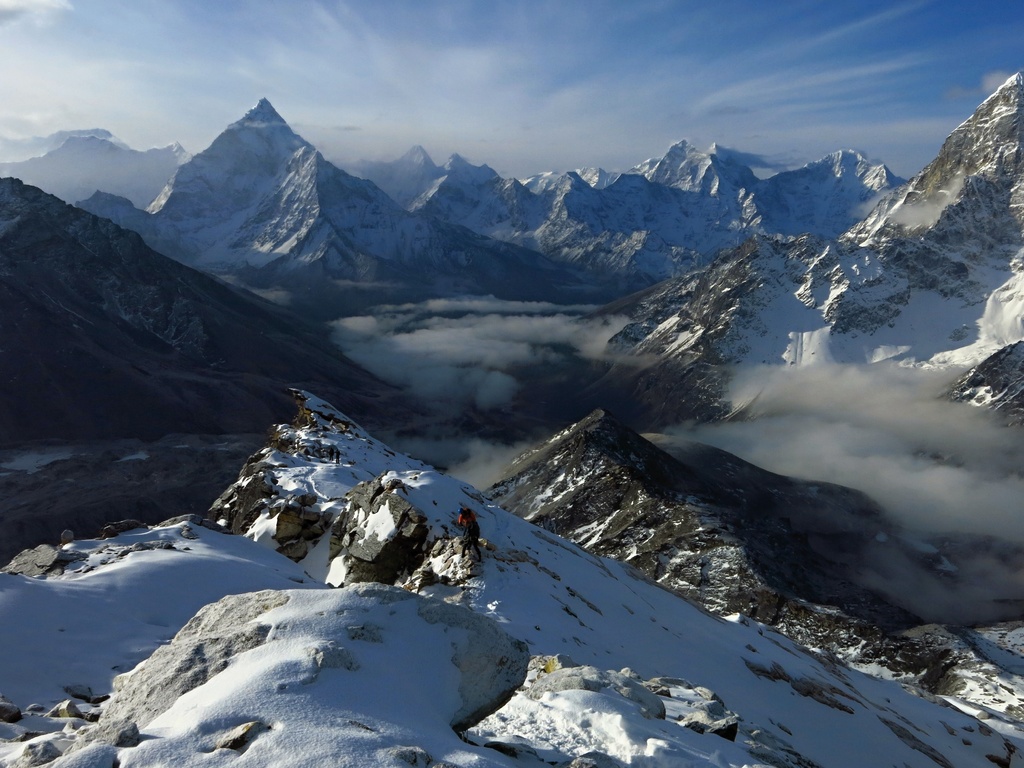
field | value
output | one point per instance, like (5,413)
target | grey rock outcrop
(592,760)
(97,755)
(44,560)
(369,530)
(36,753)
(707,712)
(368,557)
(997,383)
(241,737)
(493,664)
(66,708)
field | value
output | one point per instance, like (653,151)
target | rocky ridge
(941,290)
(737,539)
(105,338)
(997,382)
(663,217)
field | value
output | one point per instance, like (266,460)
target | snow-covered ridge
(742,694)
(931,277)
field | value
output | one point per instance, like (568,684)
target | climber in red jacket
(471,537)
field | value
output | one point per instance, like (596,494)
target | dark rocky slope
(105,338)
(739,539)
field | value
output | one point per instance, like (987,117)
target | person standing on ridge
(471,536)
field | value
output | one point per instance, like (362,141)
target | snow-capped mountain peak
(262,114)
(688,168)
(242,170)
(179,152)
(980,161)
(459,166)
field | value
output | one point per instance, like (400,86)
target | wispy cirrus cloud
(523,87)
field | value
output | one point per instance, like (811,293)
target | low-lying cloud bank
(469,360)
(941,467)
(942,470)
(456,353)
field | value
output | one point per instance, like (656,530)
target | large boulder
(368,655)
(382,533)
(201,649)
(43,560)
(9,711)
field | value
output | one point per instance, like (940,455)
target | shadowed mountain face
(738,539)
(603,485)
(102,337)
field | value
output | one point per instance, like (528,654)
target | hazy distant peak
(73,143)
(418,156)
(62,137)
(456,160)
(459,165)
(180,153)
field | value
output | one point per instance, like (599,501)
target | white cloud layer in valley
(941,466)
(942,470)
(454,353)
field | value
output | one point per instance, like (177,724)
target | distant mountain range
(933,275)
(16,150)
(83,165)
(262,204)
(792,269)
(695,204)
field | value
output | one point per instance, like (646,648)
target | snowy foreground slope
(294,673)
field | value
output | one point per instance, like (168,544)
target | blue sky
(524,86)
